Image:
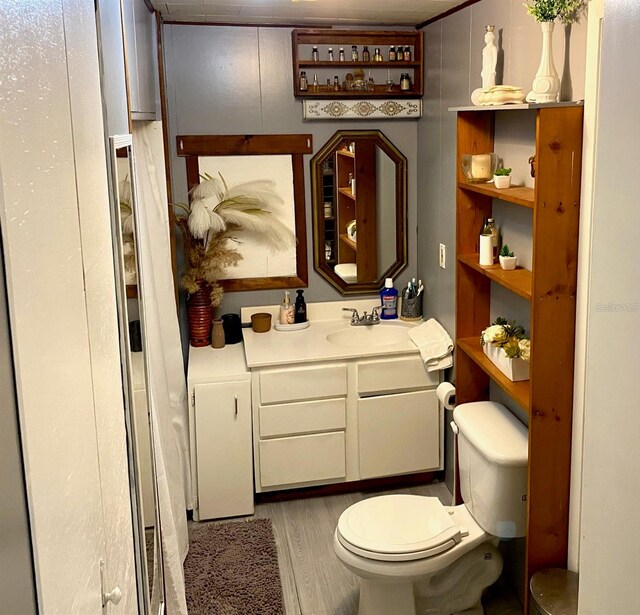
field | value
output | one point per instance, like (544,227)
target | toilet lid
(397,527)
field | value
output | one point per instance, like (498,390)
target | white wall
(55,223)
(610,524)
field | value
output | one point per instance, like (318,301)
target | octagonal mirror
(359,188)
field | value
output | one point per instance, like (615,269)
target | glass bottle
(366,56)
(392,53)
(315,56)
(330,54)
(341,54)
(336,84)
(400,54)
(407,54)
(304,84)
(405,82)
(494,239)
(354,53)
(486,245)
(316,86)
(377,56)
(371,86)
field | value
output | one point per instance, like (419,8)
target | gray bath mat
(232,569)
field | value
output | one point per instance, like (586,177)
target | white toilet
(415,556)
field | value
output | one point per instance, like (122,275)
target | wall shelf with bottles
(361,76)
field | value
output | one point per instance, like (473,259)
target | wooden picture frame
(192,147)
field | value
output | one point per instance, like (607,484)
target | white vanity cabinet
(299,416)
(399,423)
(219,385)
(328,422)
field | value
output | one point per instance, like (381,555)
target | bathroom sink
(383,334)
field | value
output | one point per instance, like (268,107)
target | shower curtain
(169,409)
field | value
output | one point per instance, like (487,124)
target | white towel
(434,344)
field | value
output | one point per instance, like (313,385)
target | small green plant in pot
(507,259)
(502,178)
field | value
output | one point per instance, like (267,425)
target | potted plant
(507,259)
(505,344)
(210,224)
(502,178)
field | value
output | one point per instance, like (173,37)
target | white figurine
(491,94)
(489,59)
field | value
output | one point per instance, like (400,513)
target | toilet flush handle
(454,428)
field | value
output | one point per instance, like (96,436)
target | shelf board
(351,64)
(344,238)
(518,195)
(519,391)
(521,107)
(518,280)
(347,192)
(380,91)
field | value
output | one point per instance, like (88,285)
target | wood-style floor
(314,582)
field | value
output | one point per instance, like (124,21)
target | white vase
(546,85)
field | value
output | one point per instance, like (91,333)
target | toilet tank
(492,456)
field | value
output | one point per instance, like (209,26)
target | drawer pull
(235,401)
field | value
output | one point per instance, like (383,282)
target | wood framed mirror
(359,202)
(244,158)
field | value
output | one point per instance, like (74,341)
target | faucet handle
(375,317)
(355,317)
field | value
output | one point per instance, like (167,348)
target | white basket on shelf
(514,369)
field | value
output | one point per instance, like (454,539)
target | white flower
(525,349)
(199,219)
(494,334)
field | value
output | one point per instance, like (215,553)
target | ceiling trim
(455,9)
(174,22)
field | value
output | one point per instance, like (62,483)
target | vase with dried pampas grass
(210,225)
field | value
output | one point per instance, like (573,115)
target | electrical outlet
(442,258)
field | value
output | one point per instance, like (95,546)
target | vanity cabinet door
(223,449)
(398,434)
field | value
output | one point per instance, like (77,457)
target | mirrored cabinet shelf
(357,63)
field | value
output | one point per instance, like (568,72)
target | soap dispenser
(286,310)
(300,311)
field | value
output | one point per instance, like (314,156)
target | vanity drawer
(401,374)
(302,417)
(298,383)
(302,459)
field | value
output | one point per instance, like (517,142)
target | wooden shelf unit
(303,39)
(551,289)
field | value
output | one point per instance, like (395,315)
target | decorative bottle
(304,84)
(392,53)
(486,245)
(330,54)
(366,56)
(217,334)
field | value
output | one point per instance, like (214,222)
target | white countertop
(287,347)
(209,364)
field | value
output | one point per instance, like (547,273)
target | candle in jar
(481,166)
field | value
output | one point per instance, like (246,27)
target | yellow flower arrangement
(509,336)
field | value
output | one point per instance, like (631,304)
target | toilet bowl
(415,556)
(411,553)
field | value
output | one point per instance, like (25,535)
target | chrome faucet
(365,319)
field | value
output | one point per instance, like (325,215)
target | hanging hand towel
(434,344)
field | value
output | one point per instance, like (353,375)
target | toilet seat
(398,528)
